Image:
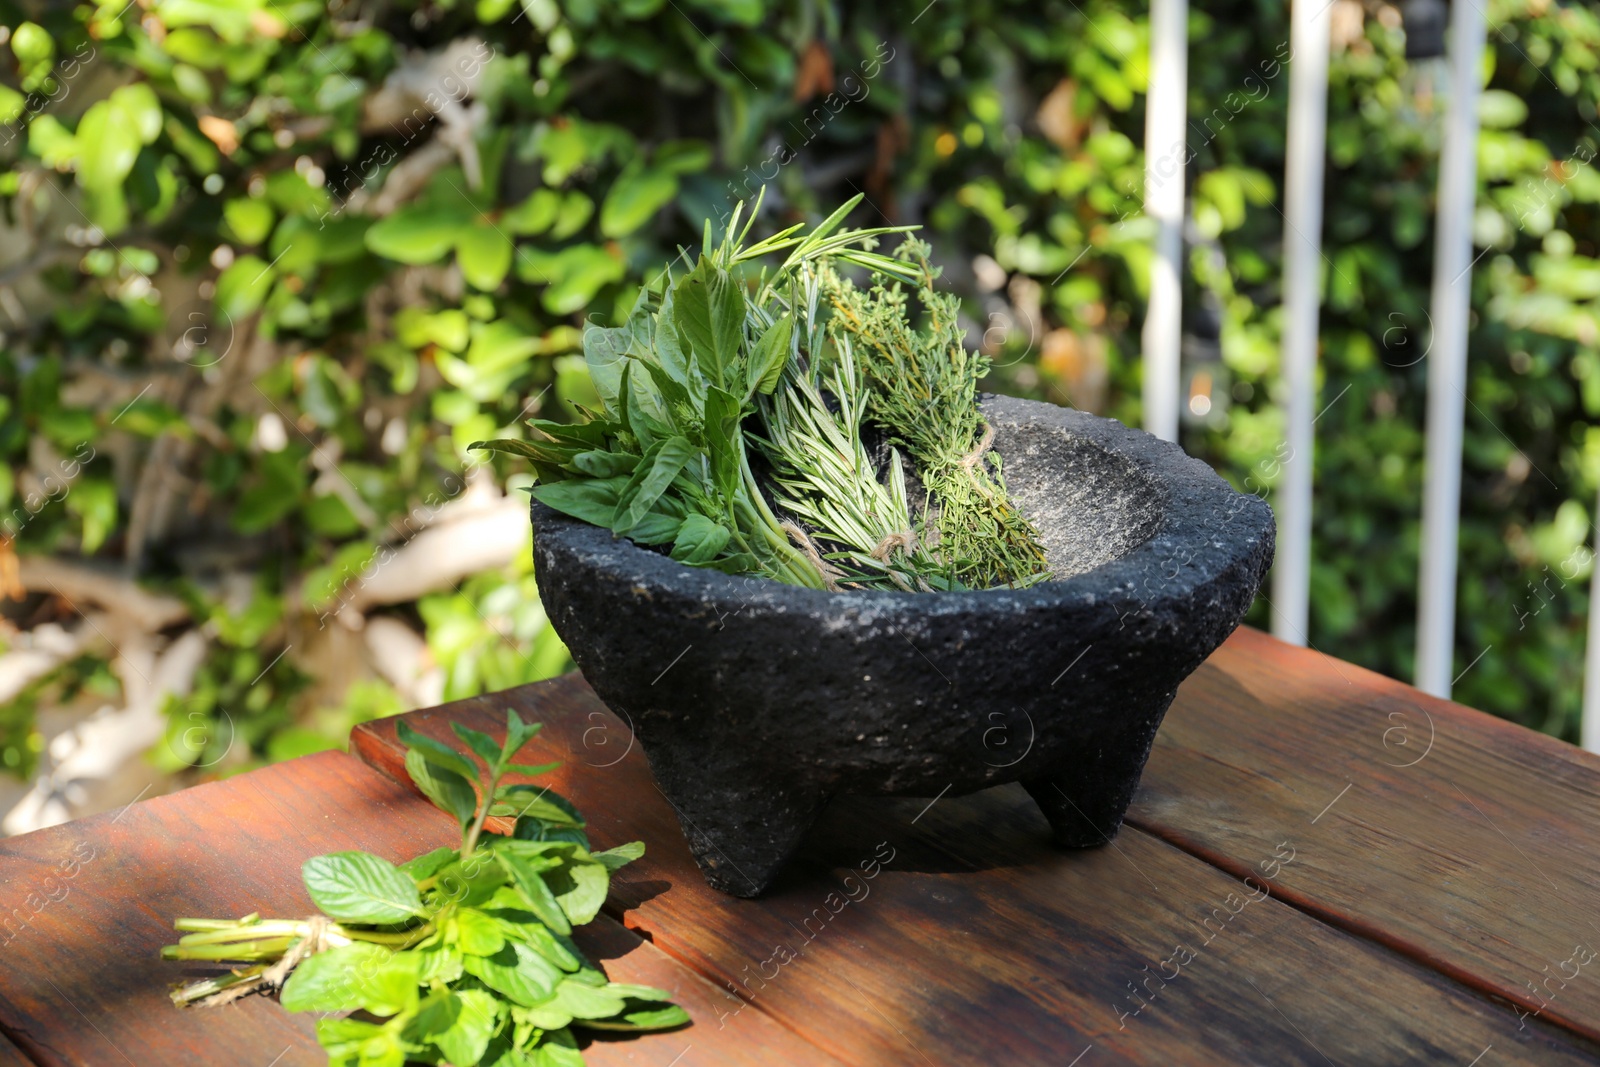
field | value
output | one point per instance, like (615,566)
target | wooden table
(1323,866)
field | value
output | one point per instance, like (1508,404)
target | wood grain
(11,1055)
(81,983)
(1462,841)
(975,942)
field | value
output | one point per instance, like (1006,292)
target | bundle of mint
(461,956)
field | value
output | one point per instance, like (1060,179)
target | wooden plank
(11,1056)
(1463,841)
(952,933)
(81,983)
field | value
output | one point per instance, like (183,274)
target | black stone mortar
(755,701)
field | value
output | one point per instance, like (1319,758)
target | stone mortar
(755,701)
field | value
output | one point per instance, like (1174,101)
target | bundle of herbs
(461,956)
(739,401)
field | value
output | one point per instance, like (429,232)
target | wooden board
(1460,840)
(975,942)
(11,1056)
(81,983)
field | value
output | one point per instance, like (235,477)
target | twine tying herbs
(973,458)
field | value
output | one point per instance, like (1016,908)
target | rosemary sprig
(822,472)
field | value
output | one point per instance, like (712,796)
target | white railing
(1447,355)
(1302,286)
(1309,21)
(1165,135)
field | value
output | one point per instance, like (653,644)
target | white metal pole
(1447,357)
(1165,153)
(1302,291)
(1590,736)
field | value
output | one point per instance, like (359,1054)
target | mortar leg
(741,833)
(1085,802)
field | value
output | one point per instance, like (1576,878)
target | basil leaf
(656,528)
(582,435)
(360,887)
(769,357)
(708,310)
(601,464)
(449,792)
(605,353)
(592,500)
(650,481)
(539,451)
(723,442)
(668,346)
(699,540)
(737,563)
(647,414)
(679,403)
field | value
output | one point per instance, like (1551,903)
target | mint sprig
(461,956)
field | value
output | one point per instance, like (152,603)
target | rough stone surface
(756,701)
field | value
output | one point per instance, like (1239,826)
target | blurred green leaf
(484,253)
(639,192)
(418,235)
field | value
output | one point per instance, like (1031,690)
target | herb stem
(264,949)
(469,843)
(227,933)
(210,986)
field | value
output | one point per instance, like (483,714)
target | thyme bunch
(924,391)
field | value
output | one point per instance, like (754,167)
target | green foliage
(665,460)
(298,222)
(459,956)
